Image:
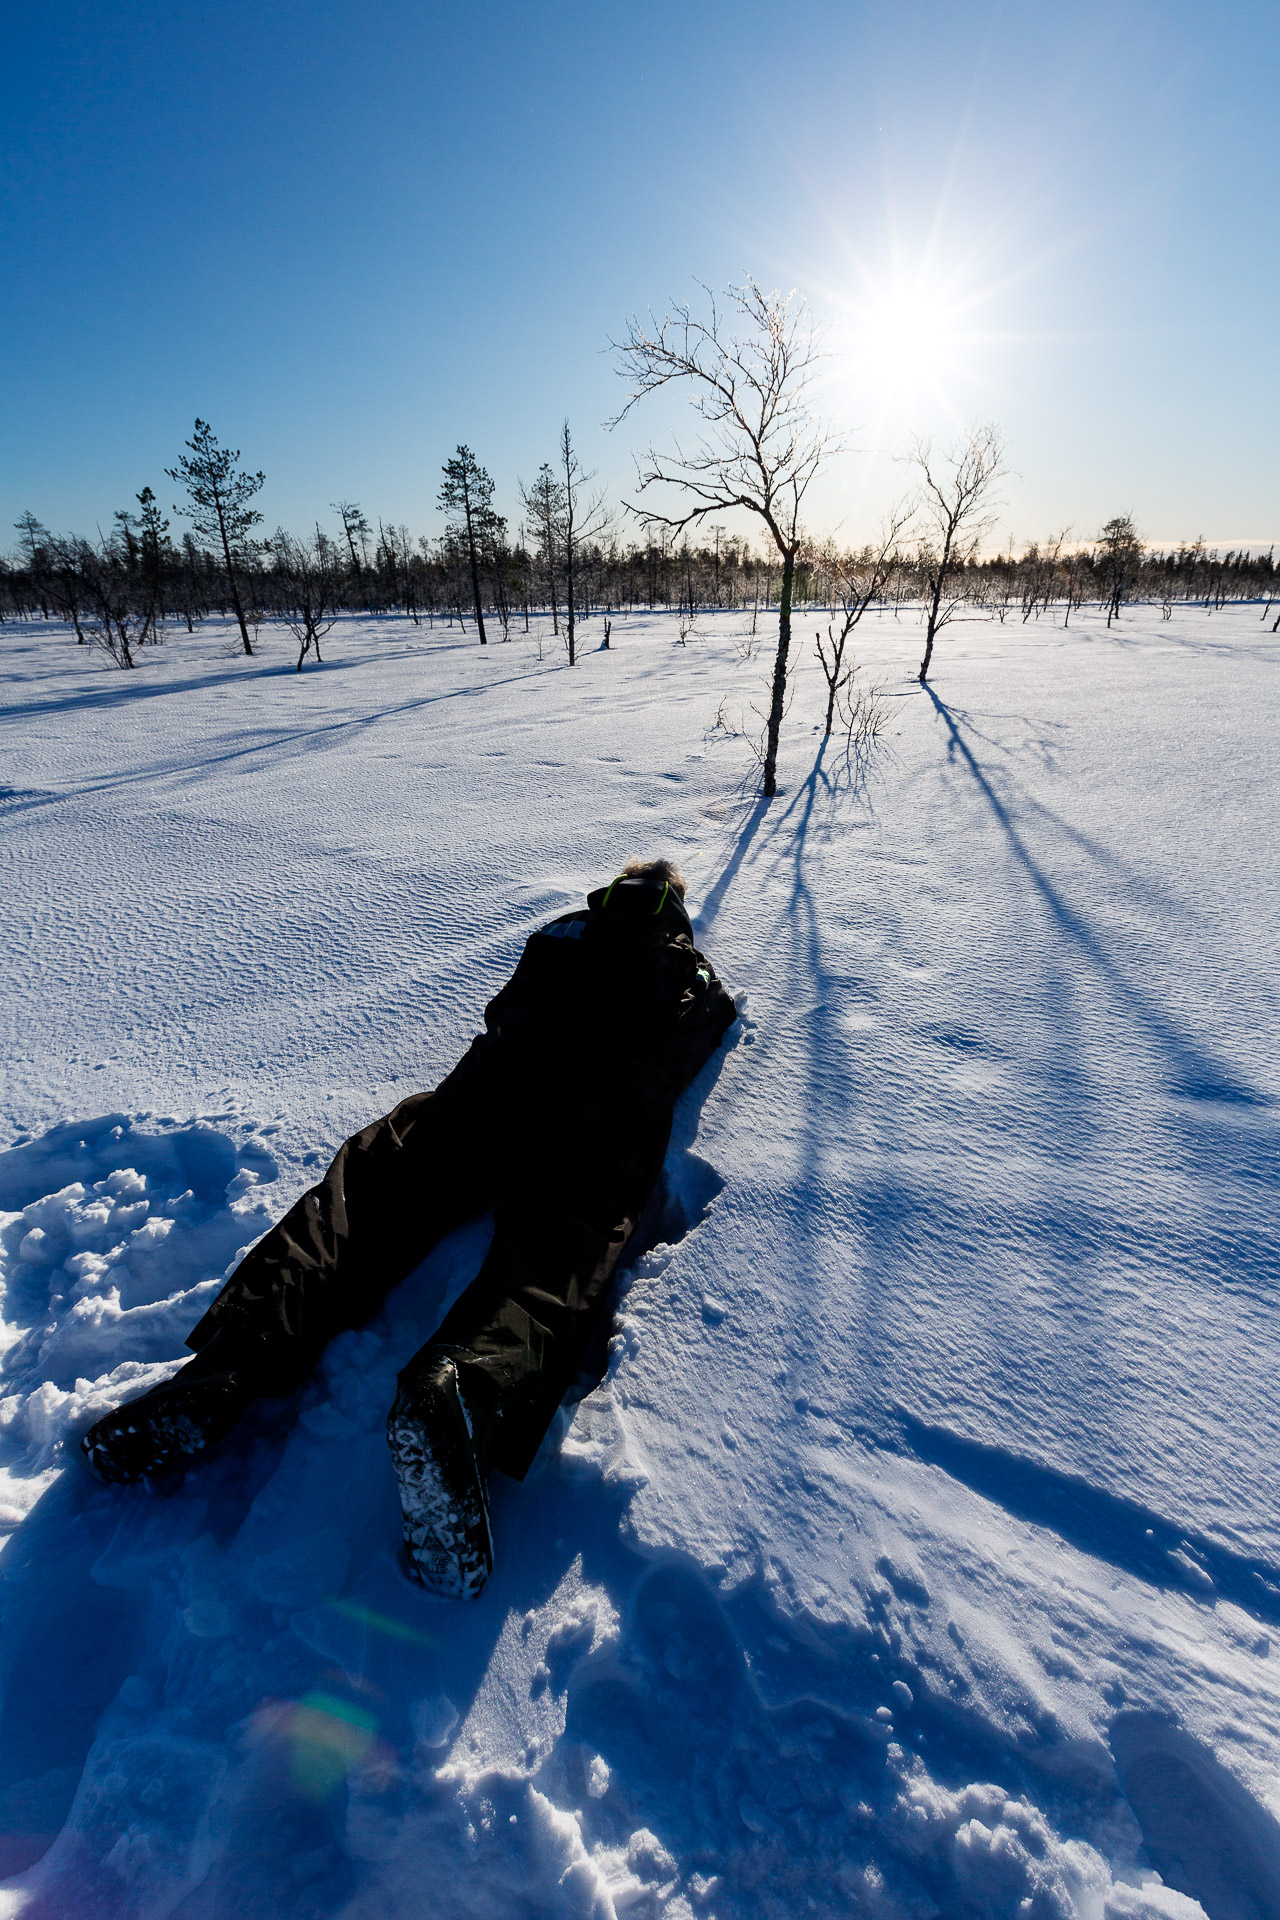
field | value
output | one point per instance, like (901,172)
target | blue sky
(352,236)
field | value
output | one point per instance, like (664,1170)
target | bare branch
(762,446)
(958,501)
(748,376)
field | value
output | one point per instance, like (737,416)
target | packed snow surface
(918,1553)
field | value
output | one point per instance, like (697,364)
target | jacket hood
(641,903)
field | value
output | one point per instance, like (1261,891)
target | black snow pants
(568,1171)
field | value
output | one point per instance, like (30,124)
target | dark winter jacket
(617,993)
(557,1120)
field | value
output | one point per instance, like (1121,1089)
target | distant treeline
(389,572)
(122,589)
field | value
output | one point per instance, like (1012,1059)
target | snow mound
(114,1234)
(279,1718)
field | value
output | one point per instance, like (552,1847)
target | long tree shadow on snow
(111,688)
(780,831)
(1198,1076)
(900,1229)
(1228,1137)
(277,744)
(1122,1532)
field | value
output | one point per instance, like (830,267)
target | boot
(162,1430)
(438,1434)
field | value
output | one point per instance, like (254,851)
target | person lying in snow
(558,1117)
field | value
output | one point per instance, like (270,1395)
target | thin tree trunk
(778,697)
(932,628)
(930,631)
(475,582)
(235,601)
(833,681)
(235,591)
(568,583)
(475,594)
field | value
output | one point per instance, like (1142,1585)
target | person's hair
(656,870)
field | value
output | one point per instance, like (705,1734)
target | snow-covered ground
(920,1552)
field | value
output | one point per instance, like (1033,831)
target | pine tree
(467,497)
(1119,556)
(219,496)
(546,506)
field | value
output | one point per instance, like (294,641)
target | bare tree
(1077,583)
(1052,569)
(863,717)
(219,497)
(65,585)
(401,542)
(1119,557)
(188,569)
(856,580)
(585,518)
(116,624)
(761,446)
(957,500)
(467,497)
(307,571)
(53,568)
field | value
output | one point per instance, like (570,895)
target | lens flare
(329,1738)
(381,1623)
(325,1739)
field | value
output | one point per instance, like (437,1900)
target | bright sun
(905,337)
(907,341)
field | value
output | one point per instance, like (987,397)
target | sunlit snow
(919,1552)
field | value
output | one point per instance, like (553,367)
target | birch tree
(856,580)
(749,374)
(309,579)
(957,501)
(585,518)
